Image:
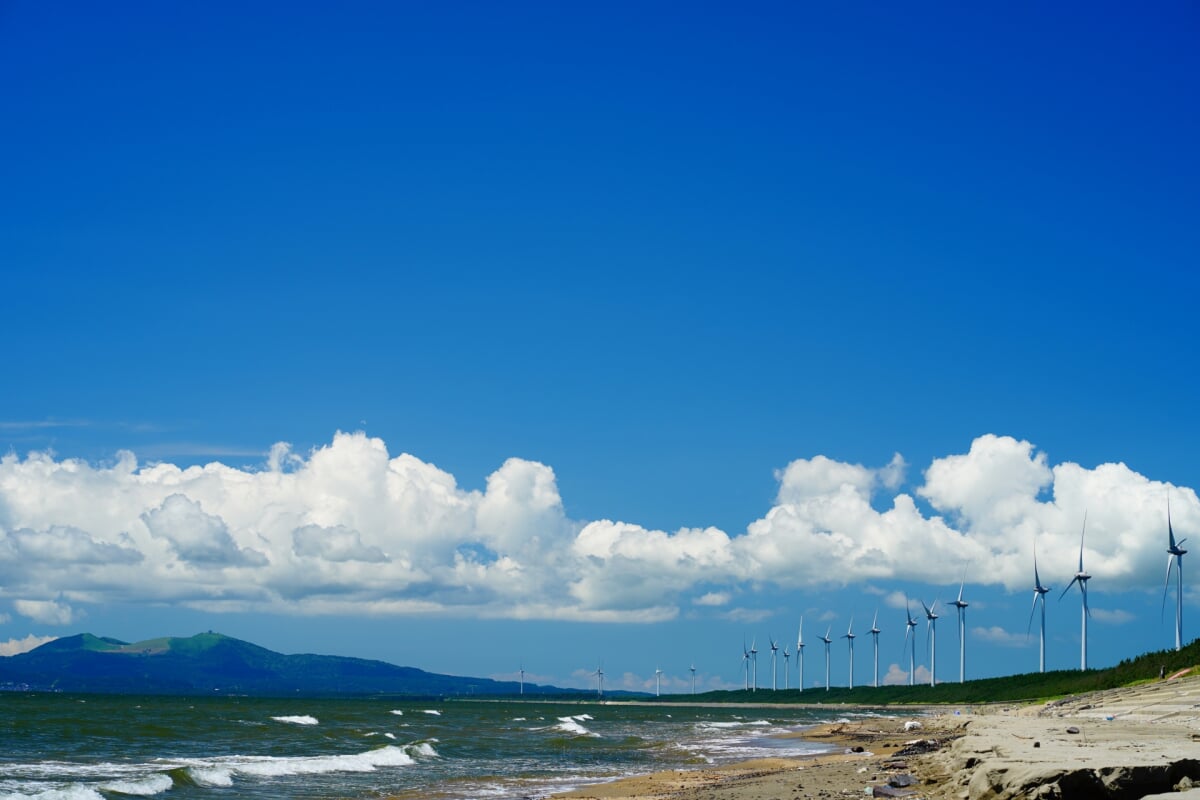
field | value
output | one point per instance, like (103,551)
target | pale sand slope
(1127,743)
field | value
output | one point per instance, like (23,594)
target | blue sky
(651,296)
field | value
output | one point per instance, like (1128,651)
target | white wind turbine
(1039,593)
(875,639)
(600,680)
(827,642)
(910,625)
(693,671)
(1081,578)
(787,667)
(657,682)
(1175,558)
(754,665)
(849,637)
(774,660)
(800,654)
(745,665)
(931,634)
(960,606)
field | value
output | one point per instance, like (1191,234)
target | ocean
(87,747)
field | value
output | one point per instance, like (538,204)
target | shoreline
(1128,742)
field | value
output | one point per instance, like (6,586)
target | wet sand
(1134,742)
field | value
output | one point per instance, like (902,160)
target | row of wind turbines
(1175,556)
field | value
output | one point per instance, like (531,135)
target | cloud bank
(348,528)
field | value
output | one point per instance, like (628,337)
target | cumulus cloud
(197,537)
(17,646)
(997,635)
(350,528)
(1111,617)
(47,612)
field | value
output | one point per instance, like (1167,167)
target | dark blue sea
(87,747)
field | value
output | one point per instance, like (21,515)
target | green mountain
(210,662)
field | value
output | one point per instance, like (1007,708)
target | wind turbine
(960,606)
(1039,593)
(774,654)
(827,642)
(912,646)
(1175,558)
(693,670)
(754,664)
(800,654)
(931,633)
(600,680)
(657,682)
(745,665)
(849,637)
(786,667)
(875,638)
(1081,578)
(522,679)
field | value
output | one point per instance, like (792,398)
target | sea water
(88,747)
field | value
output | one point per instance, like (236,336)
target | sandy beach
(1128,743)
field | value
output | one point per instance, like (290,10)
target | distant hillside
(210,662)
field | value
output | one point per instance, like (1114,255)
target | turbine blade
(1166,587)
(1032,611)
(1074,581)
(1081,535)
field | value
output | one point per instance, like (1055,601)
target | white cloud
(1113,617)
(17,646)
(348,528)
(47,612)
(999,636)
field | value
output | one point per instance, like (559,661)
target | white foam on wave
(222,773)
(390,735)
(433,712)
(142,787)
(72,791)
(571,725)
(301,719)
(397,712)
(215,777)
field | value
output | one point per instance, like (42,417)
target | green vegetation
(1013,688)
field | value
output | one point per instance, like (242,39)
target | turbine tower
(787,667)
(754,665)
(960,606)
(909,626)
(774,660)
(657,682)
(600,681)
(931,634)
(745,666)
(1039,593)
(693,670)
(849,637)
(800,654)
(1175,559)
(875,639)
(522,679)
(1081,578)
(827,642)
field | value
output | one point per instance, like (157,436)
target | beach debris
(889,791)
(912,725)
(1072,729)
